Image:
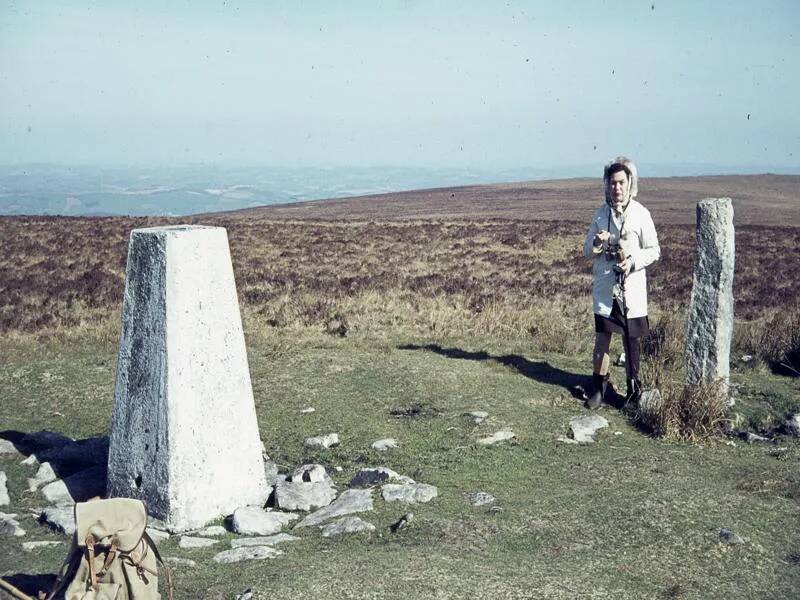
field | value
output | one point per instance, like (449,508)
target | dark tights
(633,355)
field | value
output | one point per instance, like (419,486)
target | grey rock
(30,461)
(269,540)
(311,473)
(728,536)
(746,358)
(245,595)
(585,427)
(710,331)
(188,541)
(31,546)
(496,438)
(307,410)
(752,438)
(79,487)
(792,425)
(480,498)
(10,526)
(385,444)
(246,553)
(271,472)
(620,362)
(478,416)
(157,535)
(322,441)
(416,493)
(44,475)
(350,501)
(7,448)
(211,531)
(346,525)
(177,562)
(60,518)
(290,495)
(250,520)
(4,497)
(402,522)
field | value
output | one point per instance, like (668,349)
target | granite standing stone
(184,434)
(710,329)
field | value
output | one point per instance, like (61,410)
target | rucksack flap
(123,518)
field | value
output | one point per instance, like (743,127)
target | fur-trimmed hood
(630,167)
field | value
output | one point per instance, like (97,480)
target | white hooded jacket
(635,232)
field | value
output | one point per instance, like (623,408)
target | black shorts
(615,323)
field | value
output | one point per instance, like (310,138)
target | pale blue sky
(439,84)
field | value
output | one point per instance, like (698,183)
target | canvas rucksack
(111,556)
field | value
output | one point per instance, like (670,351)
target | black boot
(599,385)
(634,392)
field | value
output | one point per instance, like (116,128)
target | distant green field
(628,517)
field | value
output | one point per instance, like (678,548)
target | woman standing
(622,242)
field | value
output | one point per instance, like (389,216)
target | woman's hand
(600,238)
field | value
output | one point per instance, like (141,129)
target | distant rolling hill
(758,199)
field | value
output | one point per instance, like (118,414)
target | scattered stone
(496,438)
(792,425)
(708,339)
(31,546)
(350,501)
(7,448)
(417,493)
(480,498)
(478,416)
(211,531)
(31,461)
(585,427)
(188,541)
(308,410)
(304,496)
(728,536)
(650,402)
(157,535)
(246,553)
(746,358)
(245,595)
(10,526)
(60,518)
(271,473)
(620,362)
(44,475)
(322,441)
(175,561)
(752,438)
(375,476)
(251,520)
(269,540)
(566,440)
(384,444)
(79,487)
(346,525)
(311,473)
(4,497)
(401,522)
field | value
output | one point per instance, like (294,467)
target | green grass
(628,517)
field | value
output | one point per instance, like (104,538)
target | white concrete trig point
(184,436)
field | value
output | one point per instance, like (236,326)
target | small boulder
(246,553)
(478,416)
(7,448)
(31,546)
(377,475)
(177,562)
(346,525)
(416,493)
(188,541)
(59,518)
(322,441)
(43,476)
(496,438)
(211,531)
(792,425)
(4,497)
(251,520)
(385,444)
(304,496)
(350,501)
(650,402)
(307,410)
(30,461)
(480,498)
(311,473)
(269,540)
(10,526)
(585,427)
(728,536)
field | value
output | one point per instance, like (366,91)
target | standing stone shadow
(540,371)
